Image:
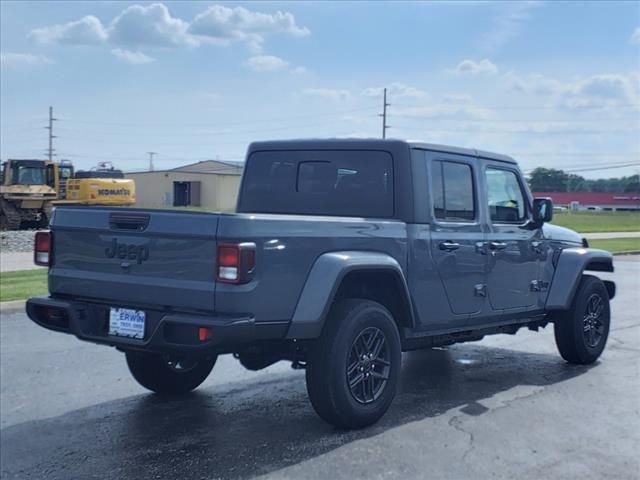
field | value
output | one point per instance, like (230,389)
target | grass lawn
(615,245)
(22,284)
(587,222)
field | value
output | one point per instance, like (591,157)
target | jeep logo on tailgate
(139,253)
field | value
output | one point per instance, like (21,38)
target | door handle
(497,245)
(448,246)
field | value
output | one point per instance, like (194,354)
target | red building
(594,200)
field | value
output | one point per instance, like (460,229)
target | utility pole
(151,154)
(50,151)
(384,114)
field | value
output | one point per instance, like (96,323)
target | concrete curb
(633,252)
(7,308)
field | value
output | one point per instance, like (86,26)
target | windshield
(65,172)
(27,175)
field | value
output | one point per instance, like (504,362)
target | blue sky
(554,84)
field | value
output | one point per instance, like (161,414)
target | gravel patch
(17,241)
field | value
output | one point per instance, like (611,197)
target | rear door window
(341,183)
(453,191)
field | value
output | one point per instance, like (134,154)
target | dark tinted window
(506,200)
(349,183)
(453,192)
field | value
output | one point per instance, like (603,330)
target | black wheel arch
(336,276)
(571,265)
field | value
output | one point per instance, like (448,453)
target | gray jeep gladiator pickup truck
(342,254)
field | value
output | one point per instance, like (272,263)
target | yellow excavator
(29,189)
(102,185)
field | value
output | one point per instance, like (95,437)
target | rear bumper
(164,331)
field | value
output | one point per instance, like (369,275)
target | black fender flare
(571,264)
(323,282)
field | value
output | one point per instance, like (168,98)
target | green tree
(548,180)
(576,183)
(631,184)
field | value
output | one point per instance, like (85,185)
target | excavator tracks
(10,218)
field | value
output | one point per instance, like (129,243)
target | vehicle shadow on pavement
(254,427)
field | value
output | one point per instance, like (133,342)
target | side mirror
(542,210)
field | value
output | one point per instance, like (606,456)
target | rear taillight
(42,249)
(236,262)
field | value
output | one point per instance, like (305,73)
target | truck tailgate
(135,257)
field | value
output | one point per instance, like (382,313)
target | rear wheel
(169,374)
(353,368)
(582,331)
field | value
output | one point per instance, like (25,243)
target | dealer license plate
(126,323)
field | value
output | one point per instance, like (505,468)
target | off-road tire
(327,372)
(154,372)
(573,328)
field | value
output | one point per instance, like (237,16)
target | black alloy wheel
(368,365)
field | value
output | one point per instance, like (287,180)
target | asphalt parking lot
(506,407)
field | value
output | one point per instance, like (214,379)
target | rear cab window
(358,183)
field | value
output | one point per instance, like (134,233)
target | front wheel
(581,332)
(165,374)
(353,368)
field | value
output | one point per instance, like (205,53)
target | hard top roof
(371,143)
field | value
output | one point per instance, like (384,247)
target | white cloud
(635,37)
(86,31)
(602,91)
(152,25)
(223,25)
(446,110)
(299,70)
(330,93)
(508,24)
(266,63)
(134,58)
(457,98)
(395,89)
(534,83)
(9,59)
(356,134)
(483,67)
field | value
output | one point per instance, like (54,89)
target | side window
(506,200)
(453,192)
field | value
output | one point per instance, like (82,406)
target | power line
(604,167)
(443,118)
(529,107)
(227,132)
(522,132)
(593,168)
(240,122)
